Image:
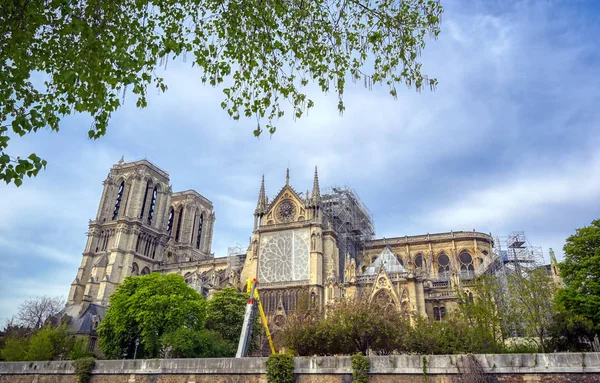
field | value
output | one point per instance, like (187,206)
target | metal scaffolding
(513,255)
(234,254)
(351,220)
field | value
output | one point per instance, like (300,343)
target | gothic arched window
(135,270)
(148,186)
(145,271)
(443,266)
(170,221)
(152,205)
(466,265)
(118,201)
(179,219)
(420,262)
(200,223)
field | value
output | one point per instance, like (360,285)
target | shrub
(83,369)
(360,368)
(280,368)
(81,349)
(188,343)
(15,349)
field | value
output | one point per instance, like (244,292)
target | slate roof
(84,324)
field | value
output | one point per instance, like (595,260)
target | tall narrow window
(443,267)
(179,219)
(145,198)
(199,231)
(420,262)
(170,221)
(152,206)
(118,201)
(193,226)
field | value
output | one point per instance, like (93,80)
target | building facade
(310,243)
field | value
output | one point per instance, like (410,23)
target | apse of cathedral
(318,243)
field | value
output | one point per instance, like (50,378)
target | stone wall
(506,368)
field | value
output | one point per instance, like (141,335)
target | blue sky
(509,141)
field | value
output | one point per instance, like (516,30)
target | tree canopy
(145,309)
(63,57)
(580,272)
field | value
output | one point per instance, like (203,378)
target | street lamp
(137,343)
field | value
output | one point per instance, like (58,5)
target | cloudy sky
(509,141)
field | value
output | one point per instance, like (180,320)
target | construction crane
(252,306)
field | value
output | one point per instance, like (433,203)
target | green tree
(484,308)
(50,343)
(80,349)
(14,349)
(64,57)
(225,314)
(580,272)
(188,343)
(531,298)
(570,332)
(145,309)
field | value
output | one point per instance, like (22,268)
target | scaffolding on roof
(233,257)
(513,255)
(351,220)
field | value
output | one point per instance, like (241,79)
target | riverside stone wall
(507,368)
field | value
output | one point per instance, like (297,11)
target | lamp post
(137,343)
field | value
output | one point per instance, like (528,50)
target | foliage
(64,57)
(453,335)
(14,349)
(147,308)
(570,332)
(485,307)
(280,368)
(521,346)
(355,325)
(580,272)
(83,369)
(360,368)
(12,330)
(188,343)
(46,343)
(225,316)
(80,349)
(50,344)
(531,297)
(33,313)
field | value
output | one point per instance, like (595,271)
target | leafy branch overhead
(59,57)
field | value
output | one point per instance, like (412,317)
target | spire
(552,257)
(287,177)
(316,192)
(262,199)
(121,160)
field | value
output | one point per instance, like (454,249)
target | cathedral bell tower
(127,237)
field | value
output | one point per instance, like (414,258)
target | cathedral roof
(85,322)
(388,260)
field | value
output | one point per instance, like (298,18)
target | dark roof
(84,324)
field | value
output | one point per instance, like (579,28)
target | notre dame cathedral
(320,243)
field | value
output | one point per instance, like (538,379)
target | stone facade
(142,226)
(508,368)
